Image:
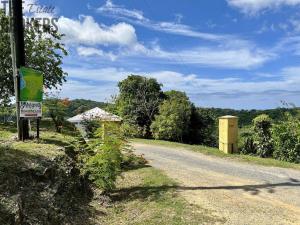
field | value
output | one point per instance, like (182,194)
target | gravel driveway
(239,192)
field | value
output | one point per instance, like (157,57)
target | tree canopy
(43,52)
(174,117)
(139,100)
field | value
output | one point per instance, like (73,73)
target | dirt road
(239,192)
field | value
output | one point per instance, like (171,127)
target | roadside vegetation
(150,113)
(61,179)
(268,139)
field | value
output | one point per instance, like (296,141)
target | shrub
(90,127)
(286,136)
(104,167)
(263,136)
(130,130)
(203,128)
(247,143)
(174,117)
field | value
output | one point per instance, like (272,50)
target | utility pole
(18,55)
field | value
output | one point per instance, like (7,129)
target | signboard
(31,93)
(31,85)
(30,109)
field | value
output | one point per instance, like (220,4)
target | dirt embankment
(38,186)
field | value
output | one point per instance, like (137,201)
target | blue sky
(222,53)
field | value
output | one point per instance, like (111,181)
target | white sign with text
(30,109)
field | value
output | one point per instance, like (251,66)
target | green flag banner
(31,85)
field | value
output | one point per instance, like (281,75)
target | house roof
(95,114)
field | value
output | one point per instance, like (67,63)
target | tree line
(148,112)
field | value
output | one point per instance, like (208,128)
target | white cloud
(87,31)
(255,6)
(109,74)
(239,57)
(100,84)
(296,25)
(243,58)
(289,44)
(89,51)
(137,17)
(76,89)
(246,57)
(230,51)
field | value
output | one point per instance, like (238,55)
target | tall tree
(139,100)
(44,52)
(202,128)
(174,117)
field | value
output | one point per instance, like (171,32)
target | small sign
(31,85)
(30,109)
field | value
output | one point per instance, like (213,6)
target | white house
(94,114)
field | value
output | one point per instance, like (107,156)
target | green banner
(31,85)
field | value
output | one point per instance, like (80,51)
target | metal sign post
(18,55)
(31,94)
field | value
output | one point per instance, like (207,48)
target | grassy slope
(141,196)
(217,153)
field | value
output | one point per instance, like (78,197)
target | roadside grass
(6,132)
(147,196)
(49,145)
(217,153)
(143,195)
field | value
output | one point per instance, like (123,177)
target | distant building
(94,114)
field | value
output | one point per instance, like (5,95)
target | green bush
(247,143)
(130,130)
(263,136)
(174,117)
(286,136)
(105,166)
(90,127)
(203,128)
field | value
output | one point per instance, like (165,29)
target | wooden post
(38,128)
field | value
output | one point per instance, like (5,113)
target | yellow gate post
(228,134)
(103,131)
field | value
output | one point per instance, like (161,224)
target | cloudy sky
(222,53)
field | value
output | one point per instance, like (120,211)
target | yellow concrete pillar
(228,134)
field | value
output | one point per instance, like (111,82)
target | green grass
(143,196)
(215,152)
(147,196)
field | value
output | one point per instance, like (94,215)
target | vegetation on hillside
(279,139)
(150,113)
(78,106)
(41,181)
(138,102)
(174,117)
(60,179)
(247,116)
